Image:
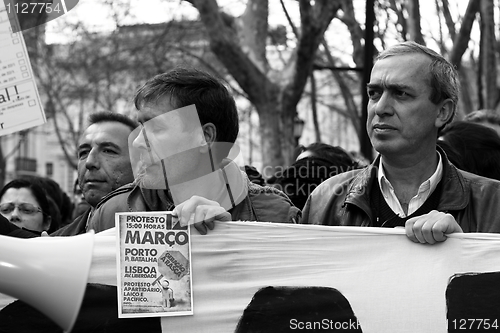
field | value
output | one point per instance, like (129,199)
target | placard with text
(153,265)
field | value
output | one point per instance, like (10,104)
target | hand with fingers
(431,228)
(201,212)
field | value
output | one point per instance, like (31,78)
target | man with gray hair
(413,93)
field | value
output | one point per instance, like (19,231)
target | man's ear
(445,113)
(209,134)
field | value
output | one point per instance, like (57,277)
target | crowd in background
(433,175)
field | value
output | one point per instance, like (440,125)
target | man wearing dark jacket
(413,93)
(182,158)
(103,166)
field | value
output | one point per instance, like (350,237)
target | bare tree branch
(462,39)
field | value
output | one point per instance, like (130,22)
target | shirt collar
(430,183)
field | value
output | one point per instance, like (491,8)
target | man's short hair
(184,87)
(444,78)
(103,116)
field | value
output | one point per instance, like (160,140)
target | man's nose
(14,215)
(383,106)
(92,161)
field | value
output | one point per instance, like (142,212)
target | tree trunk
(448,19)
(461,41)
(271,137)
(275,93)
(365,142)
(69,157)
(347,95)
(399,8)
(459,47)
(466,93)
(253,26)
(414,22)
(488,55)
(314,108)
(479,78)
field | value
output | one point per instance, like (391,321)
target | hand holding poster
(154,276)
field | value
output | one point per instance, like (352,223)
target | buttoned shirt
(424,191)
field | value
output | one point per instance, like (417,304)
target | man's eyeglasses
(24,208)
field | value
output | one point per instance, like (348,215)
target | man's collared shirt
(424,191)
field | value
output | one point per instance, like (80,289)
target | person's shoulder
(332,184)
(76,227)
(332,191)
(272,205)
(479,181)
(116,196)
(256,189)
(103,216)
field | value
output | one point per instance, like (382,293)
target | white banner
(365,279)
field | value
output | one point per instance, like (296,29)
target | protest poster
(20,103)
(154,261)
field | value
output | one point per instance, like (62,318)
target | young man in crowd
(182,158)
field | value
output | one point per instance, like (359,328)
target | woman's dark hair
(254,175)
(304,175)
(60,205)
(476,146)
(37,191)
(335,155)
(451,153)
(483,116)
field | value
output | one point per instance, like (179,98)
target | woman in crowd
(316,163)
(472,147)
(24,203)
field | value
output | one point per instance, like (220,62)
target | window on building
(49,169)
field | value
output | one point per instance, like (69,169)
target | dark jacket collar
(455,195)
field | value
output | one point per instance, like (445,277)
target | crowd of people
(431,174)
